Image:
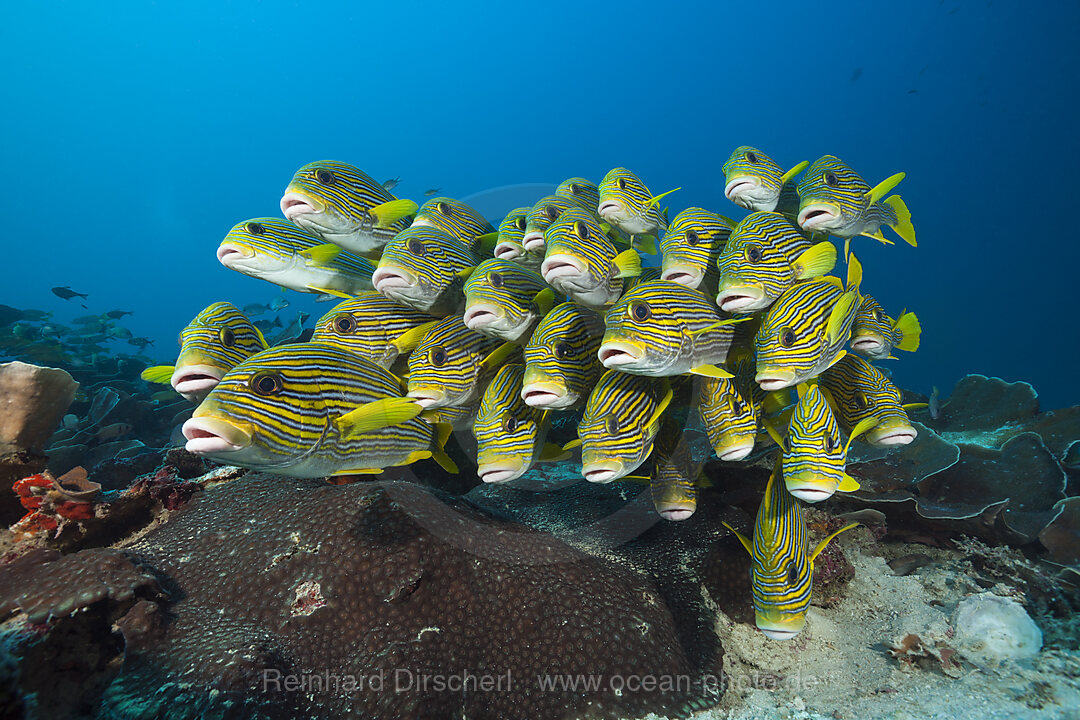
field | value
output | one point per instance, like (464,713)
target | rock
(991,629)
(1062,535)
(32,401)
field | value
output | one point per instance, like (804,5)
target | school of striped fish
(739,333)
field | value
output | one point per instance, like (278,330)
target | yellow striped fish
(730,418)
(859,391)
(583,192)
(662,328)
(311,410)
(218,339)
(510,243)
(279,252)
(425,268)
(834,199)
(505,300)
(373,327)
(627,204)
(782,571)
(814,456)
(451,364)
(561,364)
(691,248)
(874,334)
(805,331)
(675,475)
(756,182)
(621,420)
(509,434)
(540,218)
(765,256)
(455,217)
(343,205)
(582,263)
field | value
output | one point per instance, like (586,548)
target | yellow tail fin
(910,332)
(902,226)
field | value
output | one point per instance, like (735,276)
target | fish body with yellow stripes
(584,193)
(691,248)
(509,243)
(782,566)
(834,199)
(284,254)
(674,480)
(541,216)
(505,300)
(218,339)
(860,391)
(730,418)
(626,203)
(456,218)
(373,326)
(582,263)
(804,332)
(755,181)
(311,410)
(343,205)
(661,328)
(874,334)
(764,256)
(425,268)
(561,366)
(451,364)
(510,435)
(621,420)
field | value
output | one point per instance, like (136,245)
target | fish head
(421,264)
(331,198)
(578,253)
(644,336)
(454,217)
(832,197)
(510,242)
(730,419)
(891,431)
(584,193)
(871,331)
(756,264)
(860,390)
(219,338)
(445,368)
(752,179)
(499,299)
(561,366)
(540,217)
(625,202)
(508,432)
(791,342)
(691,246)
(618,426)
(814,455)
(262,246)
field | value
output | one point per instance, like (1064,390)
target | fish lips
(618,354)
(602,472)
(675,511)
(742,299)
(508,250)
(818,216)
(869,345)
(533,241)
(195,381)
(294,204)
(810,491)
(428,397)
(747,191)
(609,209)
(891,435)
(392,279)
(561,265)
(546,395)
(774,379)
(500,471)
(479,316)
(734,451)
(777,629)
(684,274)
(214,436)
(232,255)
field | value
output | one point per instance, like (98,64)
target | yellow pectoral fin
(722,323)
(628,264)
(839,319)
(485,244)
(544,300)
(742,538)
(864,425)
(390,212)
(160,374)
(884,187)
(573,444)
(711,371)
(793,172)
(499,356)
(553,453)
(328,291)
(848,484)
(879,237)
(377,414)
(821,545)
(411,338)
(915,406)
(320,255)
(357,471)
(657,198)
(466,273)
(646,244)
(815,261)
(773,432)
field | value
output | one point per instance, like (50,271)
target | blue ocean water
(135,134)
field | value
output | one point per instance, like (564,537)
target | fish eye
(692,237)
(180,339)
(551,212)
(582,230)
(227,337)
(861,401)
(511,423)
(255,228)
(438,356)
(443,207)
(612,425)
(416,247)
(737,403)
(496,279)
(751,157)
(325,176)
(344,324)
(520,223)
(575,189)
(622,183)
(787,337)
(830,442)
(267,384)
(878,314)
(831,180)
(563,349)
(792,574)
(753,253)
(640,311)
